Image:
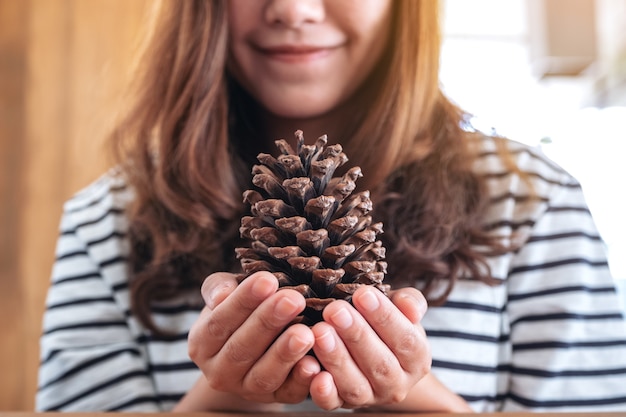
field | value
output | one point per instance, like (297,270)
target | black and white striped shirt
(551,337)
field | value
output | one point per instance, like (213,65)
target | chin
(298,103)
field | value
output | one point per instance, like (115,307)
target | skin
(251,362)
(302,60)
(371,354)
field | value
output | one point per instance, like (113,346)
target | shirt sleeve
(567,330)
(90,360)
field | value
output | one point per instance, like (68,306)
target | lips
(296,53)
(293,49)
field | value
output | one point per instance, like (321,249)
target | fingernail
(369,300)
(422,306)
(342,318)
(309,370)
(325,389)
(219,293)
(262,287)
(420,302)
(326,342)
(285,309)
(298,345)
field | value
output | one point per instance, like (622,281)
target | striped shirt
(551,337)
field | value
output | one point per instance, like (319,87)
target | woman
(523,310)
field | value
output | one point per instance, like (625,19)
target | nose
(294,13)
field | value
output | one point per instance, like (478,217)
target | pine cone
(309,229)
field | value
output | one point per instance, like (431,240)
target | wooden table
(316,414)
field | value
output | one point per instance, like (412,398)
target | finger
(324,392)
(411,303)
(298,385)
(274,367)
(216,287)
(374,359)
(198,339)
(255,336)
(351,384)
(406,340)
(231,313)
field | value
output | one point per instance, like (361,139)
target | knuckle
(193,350)
(424,368)
(419,368)
(356,395)
(237,353)
(393,392)
(408,344)
(396,397)
(218,384)
(216,329)
(262,384)
(384,369)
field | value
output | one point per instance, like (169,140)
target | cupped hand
(372,353)
(244,345)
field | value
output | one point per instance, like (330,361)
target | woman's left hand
(372,353)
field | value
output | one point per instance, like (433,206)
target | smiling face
(302,58)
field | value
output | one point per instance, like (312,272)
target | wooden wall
(62,66)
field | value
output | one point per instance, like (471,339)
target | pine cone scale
(309,228)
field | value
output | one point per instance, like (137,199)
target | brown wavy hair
(186,151)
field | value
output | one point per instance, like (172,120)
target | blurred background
(549,73)
(552,74)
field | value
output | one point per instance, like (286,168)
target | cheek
(242,21)
(243,17)
(369,27)
(364,17)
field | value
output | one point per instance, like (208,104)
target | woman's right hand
(242,344)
